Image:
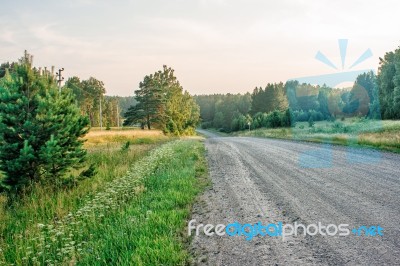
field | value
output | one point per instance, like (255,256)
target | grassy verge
(384,135)
(18,222)
(120,219)
(149,230)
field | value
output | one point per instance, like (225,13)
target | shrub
(311,122)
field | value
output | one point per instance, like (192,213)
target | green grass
(123,215)
(149,231)
(384,135)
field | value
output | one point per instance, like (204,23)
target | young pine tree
(40,129)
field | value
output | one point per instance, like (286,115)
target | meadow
(380,134)
(132,211)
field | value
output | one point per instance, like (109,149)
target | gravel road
(271,181)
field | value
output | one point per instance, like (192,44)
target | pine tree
(40,129)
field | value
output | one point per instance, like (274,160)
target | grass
(148,231)
(46,227)
(97,138)
(384,135)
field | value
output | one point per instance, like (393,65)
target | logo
(250,231)
(311,91)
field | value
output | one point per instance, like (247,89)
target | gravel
(265,180)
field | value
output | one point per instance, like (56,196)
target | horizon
(214,47)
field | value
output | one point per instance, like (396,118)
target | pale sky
(215,46)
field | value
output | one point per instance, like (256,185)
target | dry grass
(387,140)
(138,136)
(372,133)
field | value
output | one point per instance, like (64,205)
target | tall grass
(131,213)
(19,220)
(379,134)
(149,230)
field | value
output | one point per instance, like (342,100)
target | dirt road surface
(275,181)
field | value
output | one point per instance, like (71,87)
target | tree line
(90,94)
(42,127)
(374,96)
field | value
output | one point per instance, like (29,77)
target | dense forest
(374,96)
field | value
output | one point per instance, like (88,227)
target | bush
(303,116)
(206,125)
(125,146)
(311,122)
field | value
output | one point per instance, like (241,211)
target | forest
(373,96)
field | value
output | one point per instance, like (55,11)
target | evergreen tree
(40,129)
(387,71)
(151,100)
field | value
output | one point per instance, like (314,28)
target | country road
(273,181)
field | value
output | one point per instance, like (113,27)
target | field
(383,135)
(132,210)
(99,138)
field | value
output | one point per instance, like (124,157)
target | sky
(215,46)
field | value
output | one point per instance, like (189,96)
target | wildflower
(40,226)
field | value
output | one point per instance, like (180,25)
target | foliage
(226,112)
(272,98)
(40,129)
(311,122)
(90,225)
(163,104)
(389,85)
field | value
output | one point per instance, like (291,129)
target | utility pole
(59,79)
(101,116)
(118,115)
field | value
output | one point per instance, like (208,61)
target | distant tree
(323,101)
(273,97)
(3,68)
(386,74)
(163,103)
(219,120)
(123,102)
(290,88)
(367,81)
(307,97)
(88,95)
(396,90)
